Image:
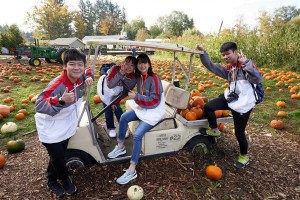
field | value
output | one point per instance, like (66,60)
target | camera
(232,97)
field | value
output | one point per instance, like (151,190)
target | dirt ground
(274,173)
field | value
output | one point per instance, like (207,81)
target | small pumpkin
(281,114)
(20,116)
(221,126)
(191,116)
(280,103)
(14,146)
(2,161)
(135,192)
(213,172)
(9,127)
(97,99)
(277,124)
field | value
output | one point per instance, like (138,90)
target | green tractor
(50,54)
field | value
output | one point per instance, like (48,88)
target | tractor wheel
(60,56)
(36,62)
(48,60)
(30,62)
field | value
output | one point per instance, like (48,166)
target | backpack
(258,90)
(105,67)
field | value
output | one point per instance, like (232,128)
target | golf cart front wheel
(76,159)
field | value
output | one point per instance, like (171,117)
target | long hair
(144,58)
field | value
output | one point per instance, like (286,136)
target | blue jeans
(139,133)
(109,115)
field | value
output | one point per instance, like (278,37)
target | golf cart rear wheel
(76,159)
(199,144)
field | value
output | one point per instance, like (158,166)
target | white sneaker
(127,134)
(112,133)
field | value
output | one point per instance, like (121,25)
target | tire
(36,62)
(30,62)
(77,159)
(60,56)
(199,144)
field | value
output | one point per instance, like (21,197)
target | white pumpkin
(135,192)
(9,127)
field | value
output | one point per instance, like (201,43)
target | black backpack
(105,67)
(258,90)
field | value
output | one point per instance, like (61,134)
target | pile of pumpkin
(195,110)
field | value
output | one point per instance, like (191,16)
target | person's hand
(242,57)
(123,69)
(89,81)
(199,47)
(68,97)
(113,108)
(131,94)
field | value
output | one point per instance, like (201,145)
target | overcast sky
(207,15)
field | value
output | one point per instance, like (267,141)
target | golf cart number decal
(175,137)
(162,140)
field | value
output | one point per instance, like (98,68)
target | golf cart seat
(175,98)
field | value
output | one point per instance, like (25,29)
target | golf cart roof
(160,46)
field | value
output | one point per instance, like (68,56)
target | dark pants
(109,115)
(239,120)
(57,168)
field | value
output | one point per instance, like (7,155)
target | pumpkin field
(273,132)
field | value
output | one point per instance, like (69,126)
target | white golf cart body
(169,136)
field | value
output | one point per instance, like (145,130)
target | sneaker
(112,133)
(56,188)
(242,161)
(117,152)
(215,133)
(126,177)
(127,134)
(69,187)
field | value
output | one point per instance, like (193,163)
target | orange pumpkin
(221,126)
(218,113)
(97,99)
(195,92)
(198,111)
(277,124)
(4,110)
(197,101)
(281,114)
(280,103)
(19,116)
(213,172)
(183,112)
(24,111)
(2,161)
(190,116)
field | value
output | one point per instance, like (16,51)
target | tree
(88,16)
(286,13)
(80,26)
(175,23)
(155,31)
(12,38)
(52,20)
(133,27)
(142,35)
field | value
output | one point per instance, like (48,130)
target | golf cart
(91,143)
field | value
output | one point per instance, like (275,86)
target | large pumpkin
(9,127)
(213,172)
(14,146)
(2,161)
(4,110)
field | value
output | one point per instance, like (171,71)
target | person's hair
(144,58)
(228,46)
(73,54)
(131,59)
